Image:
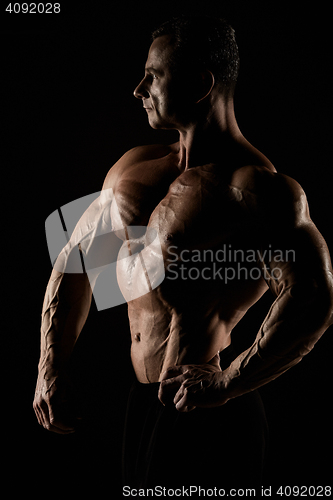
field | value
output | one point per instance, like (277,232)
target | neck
(203,142)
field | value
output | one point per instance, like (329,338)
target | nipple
(137,337)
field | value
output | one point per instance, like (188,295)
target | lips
(146,107)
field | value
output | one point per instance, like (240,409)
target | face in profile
(165,96)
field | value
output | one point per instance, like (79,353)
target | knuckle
(187,398)
(185,391)
(187,375)
(169,370)
(164,383)
(187,383)
(36,406)
(54,419)
(190,389)
(47,426)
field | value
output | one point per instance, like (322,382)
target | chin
(154,125)
(161,125)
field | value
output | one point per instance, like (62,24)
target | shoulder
(133,157)
(273,197)
(261,180)
(145,153)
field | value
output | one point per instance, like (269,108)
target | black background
(69,115)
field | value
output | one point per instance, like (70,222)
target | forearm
(66,306)
(92,245)
(289,332)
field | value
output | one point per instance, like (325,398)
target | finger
(169,387)
(186,398)
(167,390)
(61,424)
(174,371)
(59,428)
(38,415)
(184,402)
(50,423)
(185,409)
(44,414)
(43,419)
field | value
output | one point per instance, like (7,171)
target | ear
(207,84)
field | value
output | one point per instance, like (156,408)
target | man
(230,227)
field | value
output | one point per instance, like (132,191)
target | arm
(65,310)
(66,306)
(300,314)
(303,288)
(302,285)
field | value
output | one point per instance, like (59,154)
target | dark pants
(212,447)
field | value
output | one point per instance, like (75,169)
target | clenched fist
(52,404)
(189,386)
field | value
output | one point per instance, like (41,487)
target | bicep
(94,242)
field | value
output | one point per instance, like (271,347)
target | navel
(137,337)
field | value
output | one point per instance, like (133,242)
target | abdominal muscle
(163,337)
(180,322)
(167,327)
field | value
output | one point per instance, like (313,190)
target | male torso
(202,219)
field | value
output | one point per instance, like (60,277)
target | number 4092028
(33,8)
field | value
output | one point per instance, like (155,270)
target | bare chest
(196,209)
(201,211)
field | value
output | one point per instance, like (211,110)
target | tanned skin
(210,189)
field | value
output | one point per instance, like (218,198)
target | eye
(152,75)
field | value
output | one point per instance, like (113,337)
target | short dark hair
(207,42)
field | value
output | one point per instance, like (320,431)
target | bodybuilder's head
(191,60)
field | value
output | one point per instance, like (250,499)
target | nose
(141,92)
